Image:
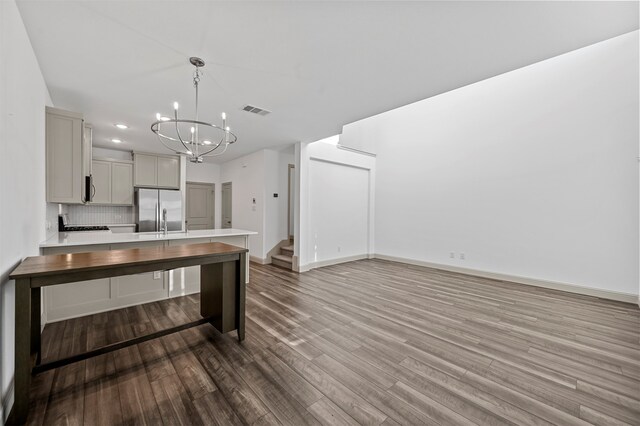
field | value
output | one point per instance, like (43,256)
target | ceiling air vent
(255,110)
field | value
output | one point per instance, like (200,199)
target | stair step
(282,258)
(282,261)
(287,251)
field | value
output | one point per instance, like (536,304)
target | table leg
(22,373)
(218,294)
(36,308)
(241,269)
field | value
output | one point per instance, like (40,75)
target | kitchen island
(105,294)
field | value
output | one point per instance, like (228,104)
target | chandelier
(202,139)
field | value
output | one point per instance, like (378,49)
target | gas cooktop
(85,228)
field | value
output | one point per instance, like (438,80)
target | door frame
(213,189)
(222,185)
(290,174)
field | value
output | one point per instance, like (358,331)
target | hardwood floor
(366,342)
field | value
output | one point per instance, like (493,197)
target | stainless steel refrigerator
(150,207)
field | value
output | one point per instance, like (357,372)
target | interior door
(200,205)
(226,204)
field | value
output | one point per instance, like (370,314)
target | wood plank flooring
(366,342)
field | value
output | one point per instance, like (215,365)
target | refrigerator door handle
(157,218)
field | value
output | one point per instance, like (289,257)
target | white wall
(247,176)
(276,164)
(339,211)
(259,175)
(334,219)
(23,211)
(116,154)
(533,173)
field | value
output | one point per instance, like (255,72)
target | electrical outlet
(461,256)
(452,255)
(157,275)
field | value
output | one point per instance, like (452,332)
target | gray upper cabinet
(156,171)
(64,156)
(145,169)
(121,183)
(169,172)
(87,153)
(101,182)
(113,182)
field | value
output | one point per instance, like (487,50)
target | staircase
(285,258)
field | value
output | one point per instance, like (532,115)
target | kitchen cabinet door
(64,174)
(122,183)
(139,288)
(101,182)
(169,172)
(78,298)
(145,168)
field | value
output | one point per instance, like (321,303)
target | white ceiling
(316,65)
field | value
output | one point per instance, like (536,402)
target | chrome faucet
(164,222)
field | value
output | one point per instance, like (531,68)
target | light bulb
(206,142)
(224,115)
(158,116)
(193,129)
(175,105)
(189,152)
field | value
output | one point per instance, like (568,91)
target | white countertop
(109,225)
(105,237)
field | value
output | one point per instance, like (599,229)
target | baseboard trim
(571,288)
(258,260)
(313,265)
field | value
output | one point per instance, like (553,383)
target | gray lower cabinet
(75,299)
(85,297)
(89,297)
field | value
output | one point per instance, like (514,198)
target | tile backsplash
(98,215)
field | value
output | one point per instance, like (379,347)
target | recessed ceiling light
(122,126)
(116,140)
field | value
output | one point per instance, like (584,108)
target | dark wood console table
(222,298)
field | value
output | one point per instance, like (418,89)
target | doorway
(226,204)
(291,199)
(200,206)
